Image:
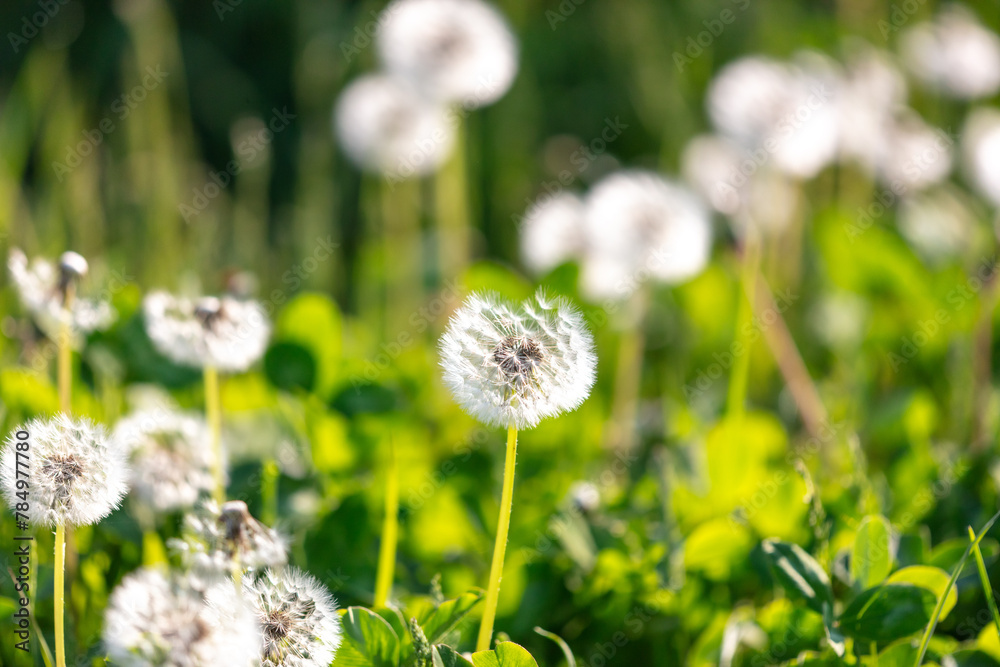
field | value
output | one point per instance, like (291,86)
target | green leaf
(933,579)
(800,575)
(871,559)
(446,656)
(442,619)
(371,637)
(887,613)
(507,654)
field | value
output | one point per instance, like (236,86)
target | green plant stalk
(500,548)
(65,355)
(452,210)
(390,533)
(985,579)
(269,474)
(59,594)
(929,631)
(736,400)
(213,411)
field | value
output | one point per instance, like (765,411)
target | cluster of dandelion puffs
(440,58)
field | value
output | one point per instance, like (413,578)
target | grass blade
(985,579)
(570,660)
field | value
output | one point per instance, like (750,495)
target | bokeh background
(115,116)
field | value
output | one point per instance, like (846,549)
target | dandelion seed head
(873,93)
(954,54)
(172,461)
(455,51)
(41,287)
(939,224)
(153,620)
(517,364)
(298,617)
(981,152)
(642,227)
(77,474)
(227,333)
(385,126)
(219,539)
(917,155)
(553,232)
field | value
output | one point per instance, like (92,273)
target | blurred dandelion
(455,51)
(155,620)
(954,54)
(298,617)
(553,232)
(981,152)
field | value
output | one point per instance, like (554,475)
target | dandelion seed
(78,474)
(41,287)
(981,152)
(225,333)
(584,496)
(298,618)
(219,540)
(154,621)
(459,51)
(508,364)
(386,127)
(641,227)
(171,457)
(553,232)
(955,54)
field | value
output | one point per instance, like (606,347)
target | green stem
(65,356)
(213,411)
(452,206)
(390,533)
(736,403)
(269,474)
(59,594)
(985,579)
(500,548)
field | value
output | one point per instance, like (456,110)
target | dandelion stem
(60,591)
(213,411)
(65,357)
(452,207)
(628,376)
(269,474)
(500,548)
(390,532)
(740,377)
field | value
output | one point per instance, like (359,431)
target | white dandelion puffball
(384,126)
(41,287)
(298,617)
(778,112)
(154,621)
(517,364)
(641,226)
(172,460)
(226,333)
(552,232)
(981,152)
(938,223)
(764,196)
(76,474)
(218,540)
(954,54)
(917,156)
(455,51)
(873,92)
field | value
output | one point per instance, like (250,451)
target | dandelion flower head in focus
(298,618)
(155,620)
(78,474)
(517,364)
(226,333)
(454,51)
